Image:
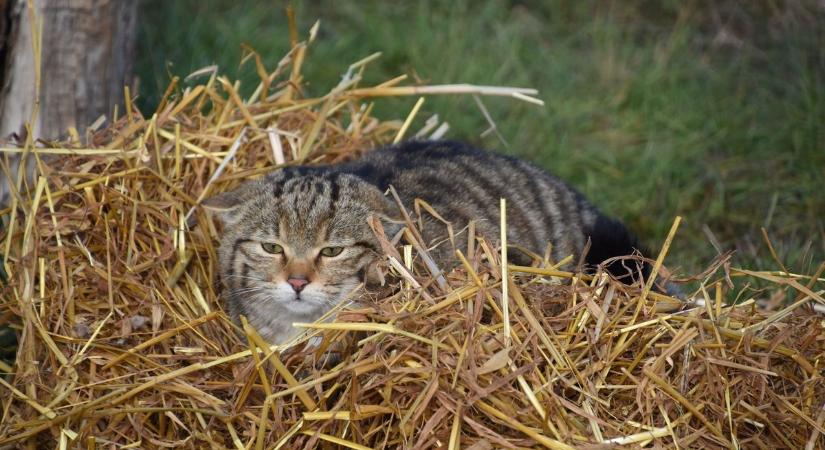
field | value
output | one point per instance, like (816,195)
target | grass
(713,112)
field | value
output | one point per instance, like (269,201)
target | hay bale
(123,341)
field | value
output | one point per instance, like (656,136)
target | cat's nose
(297,283)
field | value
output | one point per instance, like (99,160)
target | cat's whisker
(242,277)
(245,291)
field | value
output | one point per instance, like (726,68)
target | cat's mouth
(297,298)
(307,298)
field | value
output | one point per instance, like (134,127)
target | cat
(297,241)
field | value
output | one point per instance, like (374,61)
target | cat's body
(463,184)
(297,241)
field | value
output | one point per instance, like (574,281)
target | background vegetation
(711,110)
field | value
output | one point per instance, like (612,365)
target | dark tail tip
(609,238)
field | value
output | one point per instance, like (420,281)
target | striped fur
(305,209)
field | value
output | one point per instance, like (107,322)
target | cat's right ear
(225,206)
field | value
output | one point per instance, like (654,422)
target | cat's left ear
(390,217)
(227,205)
(391,226)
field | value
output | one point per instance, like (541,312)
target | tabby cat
(297,241)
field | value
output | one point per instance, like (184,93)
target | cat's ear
(391,225)
(390,217)
(383,210)
(226,206)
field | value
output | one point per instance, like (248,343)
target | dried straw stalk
(123,342)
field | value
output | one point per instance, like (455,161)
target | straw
(113,291)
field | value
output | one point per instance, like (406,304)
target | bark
(87,49)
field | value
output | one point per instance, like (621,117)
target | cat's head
(294,244)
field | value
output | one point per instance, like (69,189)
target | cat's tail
(610,241)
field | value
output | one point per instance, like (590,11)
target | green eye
(332,251)
(269,247)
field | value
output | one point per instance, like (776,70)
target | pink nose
(297,283)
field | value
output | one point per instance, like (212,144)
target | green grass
(650,110)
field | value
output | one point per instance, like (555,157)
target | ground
(653,109)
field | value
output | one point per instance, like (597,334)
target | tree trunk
(86,53)
(85,58)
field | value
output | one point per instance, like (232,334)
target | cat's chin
(274,320)
(273,313)
(303,307)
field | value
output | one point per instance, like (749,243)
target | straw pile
(123,342)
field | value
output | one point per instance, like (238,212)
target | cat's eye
(270,247)
(331,251)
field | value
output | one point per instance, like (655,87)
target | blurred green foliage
(710,110)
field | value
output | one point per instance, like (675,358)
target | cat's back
(389,165)
(464,183)
(447,168)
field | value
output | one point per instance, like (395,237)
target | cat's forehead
(308,206)
(306,192)
(307,185)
